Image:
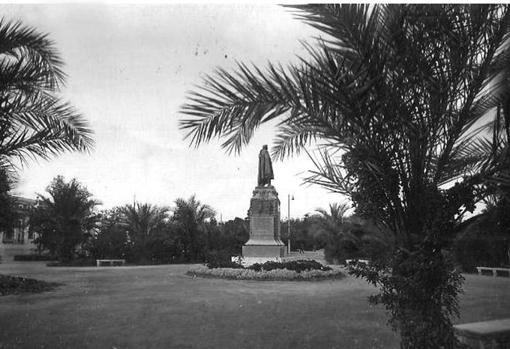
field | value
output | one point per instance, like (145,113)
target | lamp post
(288,222)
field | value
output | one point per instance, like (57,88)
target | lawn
(161,307)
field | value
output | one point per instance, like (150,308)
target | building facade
(20,232)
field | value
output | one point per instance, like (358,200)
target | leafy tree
(305,233)
(225,240)
(166,245)
(358,238)
(65,219)
(396,95)
(34,122)
(236,233)
(141,222)
(111,239)
(191,216)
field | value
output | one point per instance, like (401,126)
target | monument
(264,215)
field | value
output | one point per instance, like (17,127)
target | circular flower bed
(272,271)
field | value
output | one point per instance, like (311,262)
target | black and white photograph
(254,175)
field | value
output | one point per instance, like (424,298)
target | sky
(129,69)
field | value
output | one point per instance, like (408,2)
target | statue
(265,168)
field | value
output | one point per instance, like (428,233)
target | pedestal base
(264,243)
(264,251)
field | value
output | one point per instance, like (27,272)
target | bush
(224,264)
(33,258)
(220,259)
(81,262)
(297,266)
(265,275)
(15,285)
(471,252)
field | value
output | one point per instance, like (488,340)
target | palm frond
(330,174)
(292,138)
(20,41)
(34,121)
(236,104)
(44,128)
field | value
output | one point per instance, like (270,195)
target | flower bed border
(272,275)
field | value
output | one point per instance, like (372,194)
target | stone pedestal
(264,214)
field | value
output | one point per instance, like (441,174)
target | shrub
(483,243)
(224,264)
(33,258)
(297,266)
(471,252)
(220,259)
(81,262)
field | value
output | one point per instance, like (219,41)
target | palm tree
(34,122)
(336,212)
(65,218)
(141,221)
(190,216)
(395,95)
(353,232)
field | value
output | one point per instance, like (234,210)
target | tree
(142,221)
(65,219)
(235,234)
(396,95)
(34,122)
(349,237)
(111,239)
(190,216)
(336,213)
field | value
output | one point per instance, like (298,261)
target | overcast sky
(129,67)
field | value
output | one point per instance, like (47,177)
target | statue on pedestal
(264,216)
(265,168)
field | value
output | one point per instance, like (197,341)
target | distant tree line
(69,227)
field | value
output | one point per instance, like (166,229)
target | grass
(161,307)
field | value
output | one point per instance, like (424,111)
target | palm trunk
(423,297)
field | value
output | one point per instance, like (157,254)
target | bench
(493,271)
(493,334)
(110,262)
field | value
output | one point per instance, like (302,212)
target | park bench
(493,271)
(493,334)
(110,262)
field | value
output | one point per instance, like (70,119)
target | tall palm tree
(192,211)
(34,122)
(65,218)
(141,221)
(191,215)
(356,232)
(395,95)
(336,212)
